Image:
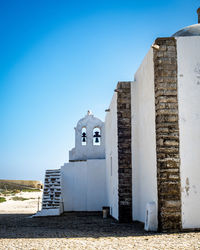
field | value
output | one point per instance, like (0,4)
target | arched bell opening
(83,136)
(96,136)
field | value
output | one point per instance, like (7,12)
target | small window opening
(96,137)
(111,166)
(84,137)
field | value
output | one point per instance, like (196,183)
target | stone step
(52,189)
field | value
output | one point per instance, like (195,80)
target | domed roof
(192,30)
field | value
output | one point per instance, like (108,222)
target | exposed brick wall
(124,151)
(167,135)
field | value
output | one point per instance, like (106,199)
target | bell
(83,137)
(96,140)
(96,134)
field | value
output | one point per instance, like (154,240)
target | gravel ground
(85,231)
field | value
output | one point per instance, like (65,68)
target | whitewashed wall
(88,151)
(83,185)
(112,157)
(188,51)
(144,170)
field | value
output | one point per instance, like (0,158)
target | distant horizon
(59,60)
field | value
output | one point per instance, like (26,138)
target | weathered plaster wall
(144,172)
(112,157)
(88,151)
(83,185)
(188,50)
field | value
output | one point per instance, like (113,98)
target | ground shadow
(68,225)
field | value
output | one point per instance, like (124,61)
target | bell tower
(89,139)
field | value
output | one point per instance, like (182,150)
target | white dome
(192,30)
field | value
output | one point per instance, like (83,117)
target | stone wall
(167,134)
(124,151)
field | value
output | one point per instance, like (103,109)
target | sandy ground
(18,230)
(29,206)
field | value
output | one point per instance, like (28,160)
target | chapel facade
(143,162)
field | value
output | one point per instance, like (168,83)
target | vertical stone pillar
(167,134)
(124,151)
(198,13)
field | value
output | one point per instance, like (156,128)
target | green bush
(9,192)
(17,198)
(2,199)
(30,190)
(12,188)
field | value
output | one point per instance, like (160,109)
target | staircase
(52,204)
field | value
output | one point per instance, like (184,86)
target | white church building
(143,162)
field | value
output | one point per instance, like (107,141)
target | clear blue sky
(60,58)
